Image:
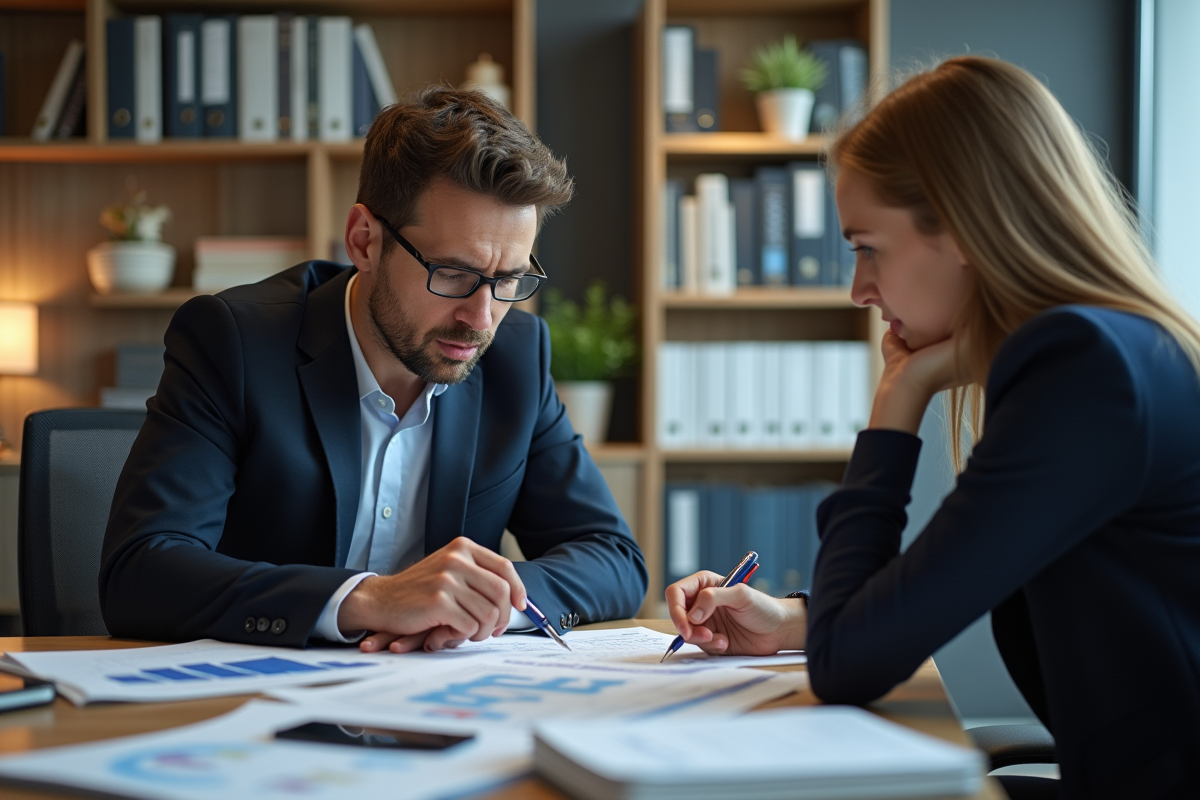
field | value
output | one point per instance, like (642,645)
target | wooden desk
(920,703)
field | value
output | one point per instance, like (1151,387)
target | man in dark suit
(334,453)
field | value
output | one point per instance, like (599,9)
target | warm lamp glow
(18,338)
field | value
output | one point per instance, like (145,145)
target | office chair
(70,461)
(1010,745)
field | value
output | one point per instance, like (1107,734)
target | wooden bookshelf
(51,193)
(734,30)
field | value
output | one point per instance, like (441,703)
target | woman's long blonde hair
(980,149)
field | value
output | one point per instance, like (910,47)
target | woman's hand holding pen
(910,380)
(736,620)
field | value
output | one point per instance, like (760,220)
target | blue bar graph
(172,674)
(216,671)
(251,668)
(274,666)
(345,664)
(130,679)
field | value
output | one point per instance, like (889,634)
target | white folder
(827,395)
(334,54)
(743,429)
(258,77)
(299,82)
(147,79)
(796,396)
(856,390)
(768,388)
(711,397)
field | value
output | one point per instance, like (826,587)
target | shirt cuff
(517,621)
(327,627)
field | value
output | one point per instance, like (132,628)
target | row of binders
(256,77)
(779,228)
(712,525)
(764,395)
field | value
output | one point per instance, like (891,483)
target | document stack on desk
(794,754)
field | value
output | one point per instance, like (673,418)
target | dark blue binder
(720,528)
(839,257)
(121,111)
(760,532)
(219,117)
(774,220)
(364,107)
(744,194)
(182,106)
(810,251)
(706,97)
(673,194)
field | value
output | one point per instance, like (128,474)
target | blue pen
(741,572)
(539,619)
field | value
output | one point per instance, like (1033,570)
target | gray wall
(1083,51)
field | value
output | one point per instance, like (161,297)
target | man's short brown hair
(463,136)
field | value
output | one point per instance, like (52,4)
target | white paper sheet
(522,691)
(234,757)
(205,668)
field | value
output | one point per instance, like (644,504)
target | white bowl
(133,267)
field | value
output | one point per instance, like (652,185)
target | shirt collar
(367,384)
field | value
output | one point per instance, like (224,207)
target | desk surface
(920,703)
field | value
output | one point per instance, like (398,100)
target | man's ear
(363,241)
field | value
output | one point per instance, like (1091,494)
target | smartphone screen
(358,736)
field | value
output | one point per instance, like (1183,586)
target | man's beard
(396,331)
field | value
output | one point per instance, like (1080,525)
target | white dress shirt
(389,529)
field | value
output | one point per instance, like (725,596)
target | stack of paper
(225,261)
(814,753)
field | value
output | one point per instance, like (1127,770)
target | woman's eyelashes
(864,250)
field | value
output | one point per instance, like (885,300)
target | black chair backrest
(70,461)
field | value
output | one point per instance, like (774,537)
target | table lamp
(18,344)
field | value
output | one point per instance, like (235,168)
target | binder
(672,194)
(52,106)
(760,531)
(363,100)
(335,68)
(839,256)
(846,82)
(856,390)
(147,78)
(297,128)
(678,51)
(683,392)
(720,528)
(181,73)
(796,397)
(774,213)
(827,395)
(769,390)
(689,257)
(674,424)
(119,61)
(258,77)
(744,420)
(682,511)
(284,23)
(218,85)
(706,84)
(715,253)
(809,245)
(711,397)
(381,82)
(793,539)
(743,192)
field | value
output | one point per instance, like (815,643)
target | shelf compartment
(758,297)
(617,453)
(728,456)
(172,298)
(739,144)
(79,151)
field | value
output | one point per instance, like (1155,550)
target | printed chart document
(236,757)
(521,691)
(814,753)
(205,668)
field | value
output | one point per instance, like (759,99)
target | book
(678,51)
(218,82)
(225,261)
(381,82)
(774,216)
(147,78)
(258,77)
(297,127)
(809,250)
(813,753)
(715,247)
(364,107)
(689,258)
(181,74)
(672,195)
(743,192)
(71,120)
(70,64)
(335,70)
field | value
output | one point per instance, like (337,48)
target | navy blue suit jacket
(1077,521)
(239,497)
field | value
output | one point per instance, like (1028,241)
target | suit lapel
(455,435)
(331,391)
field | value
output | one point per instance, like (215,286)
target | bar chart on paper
(271,665)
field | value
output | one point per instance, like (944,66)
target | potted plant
(135,260)
(589,347)
(784,77)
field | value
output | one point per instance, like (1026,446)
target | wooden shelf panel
(438,7)
(739,145)
(746,7)
(169,299)
(617,453)
(756,456)
(762,298)
(79,151)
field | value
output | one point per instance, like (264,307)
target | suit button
(562,622)
(278,627)
(263,624)
(574,620)
(249,625)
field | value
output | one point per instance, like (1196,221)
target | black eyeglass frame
(480,279)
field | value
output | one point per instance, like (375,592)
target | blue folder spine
(364,106)
(120,78)
(220,115)
(181,67)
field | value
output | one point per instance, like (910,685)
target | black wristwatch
(801,594)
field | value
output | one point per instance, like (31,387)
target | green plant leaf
(784,65)
(594,343)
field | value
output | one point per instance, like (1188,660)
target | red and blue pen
(739,574)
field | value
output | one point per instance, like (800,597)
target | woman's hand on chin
(910,380)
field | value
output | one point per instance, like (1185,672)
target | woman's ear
(362,238)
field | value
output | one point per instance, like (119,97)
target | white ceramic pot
(134,267)
(786,112)
(589,406)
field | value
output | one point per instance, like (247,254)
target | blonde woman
(1009,268)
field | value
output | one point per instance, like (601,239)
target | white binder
(147,79)
(768,387)
(299,82)
(856,390)
(334,54)
(258,77)
(827,395)
(743,366)
(711,396)
(796,397)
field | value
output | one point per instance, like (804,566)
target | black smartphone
(359,736)
(33,693)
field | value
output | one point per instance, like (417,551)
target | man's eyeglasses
(447,281)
